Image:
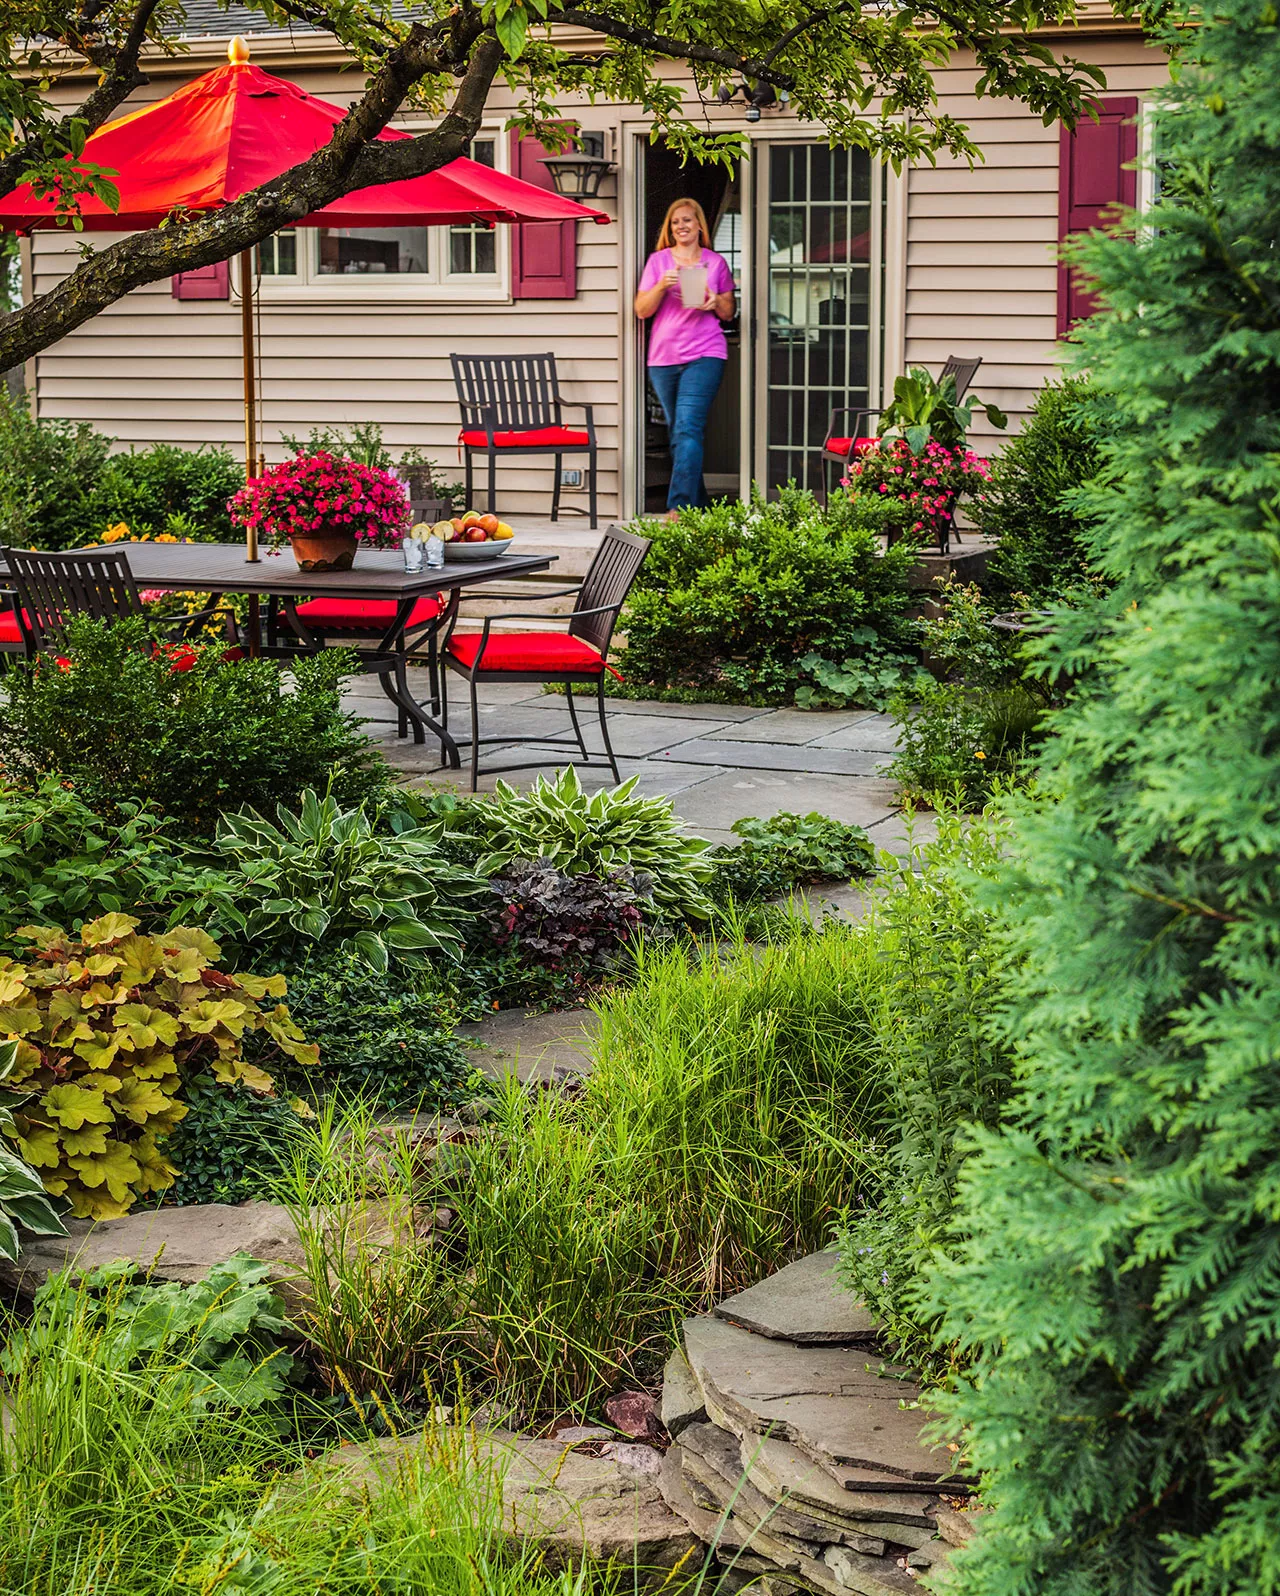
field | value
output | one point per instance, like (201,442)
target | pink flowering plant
(322,492)
(930,482)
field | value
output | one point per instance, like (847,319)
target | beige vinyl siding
(981,272)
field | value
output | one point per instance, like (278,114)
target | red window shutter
(544,255)
(204,282)
(1092,181)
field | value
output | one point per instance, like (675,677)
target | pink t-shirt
(681,335)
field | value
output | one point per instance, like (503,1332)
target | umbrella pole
(250,391)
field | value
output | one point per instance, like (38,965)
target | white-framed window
(468,261)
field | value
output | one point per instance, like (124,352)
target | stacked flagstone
(797,1452)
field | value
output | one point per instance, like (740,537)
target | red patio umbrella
(236,127)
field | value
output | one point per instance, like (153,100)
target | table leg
(395,684)
(253,626)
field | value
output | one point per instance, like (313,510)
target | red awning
(237,127)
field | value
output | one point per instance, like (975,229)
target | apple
(471,518)
(490,524)
(475,534)
(458,527)
(502,532)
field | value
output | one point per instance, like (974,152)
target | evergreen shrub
(1031,502)
(1118,1285)
(731,599)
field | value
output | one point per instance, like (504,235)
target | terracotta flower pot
(324,551)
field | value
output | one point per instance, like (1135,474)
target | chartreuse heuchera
(109,1025)
(1116,1277)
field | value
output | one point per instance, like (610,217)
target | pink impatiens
(931,482)
(324,492)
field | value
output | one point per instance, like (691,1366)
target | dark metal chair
(842,449)
(578,655)
(47,588)
(511,406)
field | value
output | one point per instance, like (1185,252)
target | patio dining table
(221,568)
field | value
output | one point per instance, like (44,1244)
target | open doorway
(717,190)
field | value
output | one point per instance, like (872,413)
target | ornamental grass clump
(323,492)
(109,1024)
(1118,1281)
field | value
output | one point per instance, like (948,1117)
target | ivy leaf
(115,1168)
(107,928)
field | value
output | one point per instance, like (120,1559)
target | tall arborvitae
(1118,1277)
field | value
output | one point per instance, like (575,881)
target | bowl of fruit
(474,536)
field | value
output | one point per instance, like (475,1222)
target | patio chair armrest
(181,625)
(589,410)
(852,410)
(537,615)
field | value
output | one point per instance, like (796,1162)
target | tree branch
(122,76)
(803,26)
(676,49)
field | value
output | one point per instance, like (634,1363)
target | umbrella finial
(238,51)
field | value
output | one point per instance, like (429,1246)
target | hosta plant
(23,1199)
(613,829)
(325,874)
(109,1024)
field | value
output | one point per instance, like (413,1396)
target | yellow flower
(165,537)
(978,754)
(113,534)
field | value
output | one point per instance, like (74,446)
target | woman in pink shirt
(687,348)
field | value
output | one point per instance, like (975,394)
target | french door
(818,317)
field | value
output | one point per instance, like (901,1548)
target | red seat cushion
(842,446)
(528,651)
(538,438)
(10,632)
(364,615)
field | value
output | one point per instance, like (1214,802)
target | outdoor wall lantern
(577,173)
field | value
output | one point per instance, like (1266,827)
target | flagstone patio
(719,763)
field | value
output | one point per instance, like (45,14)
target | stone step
(804,1303)
(843,1414)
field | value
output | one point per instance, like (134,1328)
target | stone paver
(793,726)
(777,756)
(531,1046)
(805,1302)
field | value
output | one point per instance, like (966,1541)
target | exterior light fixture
(577,174)
(759,97)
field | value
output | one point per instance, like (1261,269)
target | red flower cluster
(319,493)
(931,481)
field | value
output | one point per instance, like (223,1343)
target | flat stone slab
(804,1303)
(874,734)
(734,794)
(823,1399)
(714,1457)
(682,1403)
(531,1046)
(792,726)
(566,1503)
(776,756)
(180,1244)
(781,1471)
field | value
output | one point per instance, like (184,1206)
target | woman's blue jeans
(685,394)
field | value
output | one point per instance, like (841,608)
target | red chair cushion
(528,651)
(843,446)
(538,438)
(364,615)
(182,656)
(10,632)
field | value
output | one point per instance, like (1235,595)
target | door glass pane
(819,295)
